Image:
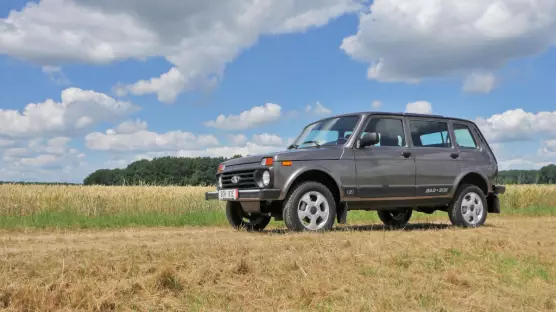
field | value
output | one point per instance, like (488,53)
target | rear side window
(464,138)
(430,134)
(389,130)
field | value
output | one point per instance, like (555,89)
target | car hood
(312,153)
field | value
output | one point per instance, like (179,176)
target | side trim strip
(393,198)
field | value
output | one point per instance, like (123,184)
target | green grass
(71,219)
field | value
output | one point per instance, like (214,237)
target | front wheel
(310,207)
(238,219)
(395,218)
(469,207)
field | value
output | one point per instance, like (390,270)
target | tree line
(168,170)
(546,175)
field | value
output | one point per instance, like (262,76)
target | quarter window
(464,138)
(430,134)
(389,130)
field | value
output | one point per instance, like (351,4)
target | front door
(387,169)
(436,158)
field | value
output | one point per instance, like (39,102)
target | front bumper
(249,195)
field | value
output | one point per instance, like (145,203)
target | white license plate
(227,194)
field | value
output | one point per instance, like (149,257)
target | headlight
(220,181)
(266,178)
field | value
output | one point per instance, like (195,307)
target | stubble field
(162,248)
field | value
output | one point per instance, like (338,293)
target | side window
(430,134)
(464,138)
(389,130)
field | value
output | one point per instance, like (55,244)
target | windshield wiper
(293,146)
(314,142)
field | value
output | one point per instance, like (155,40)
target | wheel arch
(472,177)
(317,174)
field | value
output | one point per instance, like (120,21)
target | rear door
(473,155)
(436,158)
(386,170)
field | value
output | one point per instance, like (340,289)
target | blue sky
(113,83)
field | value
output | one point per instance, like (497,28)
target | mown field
(74,248)
(43,206)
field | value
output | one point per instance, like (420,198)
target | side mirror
(368,139)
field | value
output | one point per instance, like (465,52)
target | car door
(387,169)
(473,156)
(436,158)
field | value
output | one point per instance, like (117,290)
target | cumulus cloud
(40,154)
(419,107)
(56,74)
(479,83)
(318,109)
(518,125)
(136,138)
(251,118)
(267,139)
(250,148)
(78,110)
(198,37)
(449,37)
(376,104)
(237,139)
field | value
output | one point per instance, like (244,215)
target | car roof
(396,114)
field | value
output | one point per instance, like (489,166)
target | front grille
(246,181)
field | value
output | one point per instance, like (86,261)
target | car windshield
(333,131)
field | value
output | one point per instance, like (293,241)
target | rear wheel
(469,208)
(310,207)
(395,218)
(238,219)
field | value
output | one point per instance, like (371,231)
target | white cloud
(376,104)
(254,117)
(42,160)
(419,107)
(131,126)
(518,125)
(521,163)
(318,109)
(409,40)
(198,37)
(479,83)
(79,109)
(144,140)
(549,147)
(6,143)
(237,139)
(222,151)
(56,74)
(267,139)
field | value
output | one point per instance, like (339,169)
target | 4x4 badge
(235,179)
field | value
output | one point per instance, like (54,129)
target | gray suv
(392,163)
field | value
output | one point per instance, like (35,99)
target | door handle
(406,154)
(454,155)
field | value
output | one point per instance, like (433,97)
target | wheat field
(57,206)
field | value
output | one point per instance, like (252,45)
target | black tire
(293,203)
(394,218)
(456,210)
(239,220)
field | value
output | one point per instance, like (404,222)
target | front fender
(306,168)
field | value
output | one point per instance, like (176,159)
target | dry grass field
(74,248)
(509,265)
